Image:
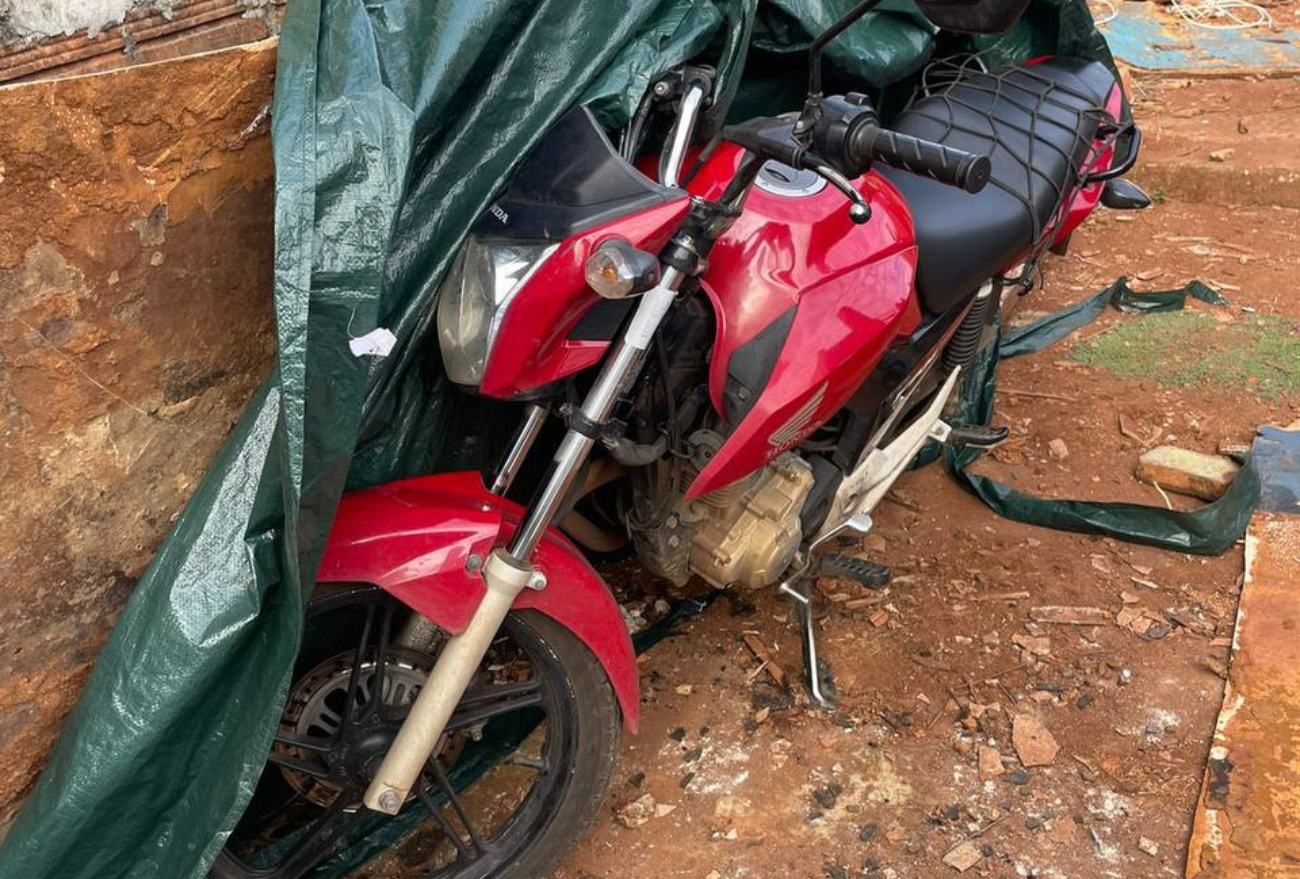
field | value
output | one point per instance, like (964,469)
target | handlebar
(846,139)
(945,164)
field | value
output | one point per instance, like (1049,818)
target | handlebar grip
(934,160)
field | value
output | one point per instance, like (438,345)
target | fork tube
(670,164)
(617,374)
(508,572)
(528,431)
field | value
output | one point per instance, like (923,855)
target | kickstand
(817,672)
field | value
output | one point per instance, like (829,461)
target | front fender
(413,539)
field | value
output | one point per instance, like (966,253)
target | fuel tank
(807,303)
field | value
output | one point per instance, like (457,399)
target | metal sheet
(1150,36)
(1277,456)
(135,323)
(145,35)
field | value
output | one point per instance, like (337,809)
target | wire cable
(1222,15)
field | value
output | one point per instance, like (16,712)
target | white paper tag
(378,342)
(649,313)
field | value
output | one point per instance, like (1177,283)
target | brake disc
(316,708)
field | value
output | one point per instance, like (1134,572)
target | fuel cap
(781,179)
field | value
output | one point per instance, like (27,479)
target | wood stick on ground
(935,719)
(1001,673)
(859,603)
(981,831)
(987,827)
(1069,616)
(1164,497)
(907,505)
(1125,430)
(930,662)
(1134,435)
(760,653)
(1041,395)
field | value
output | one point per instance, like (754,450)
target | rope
(1222,15)
(1110,14)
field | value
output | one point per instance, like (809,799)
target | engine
(745,534)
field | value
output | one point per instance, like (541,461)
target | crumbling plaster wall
(33,19)
(135,322)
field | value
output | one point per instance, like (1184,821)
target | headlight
(473,299)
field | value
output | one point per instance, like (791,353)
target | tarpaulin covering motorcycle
(395,124)
(1207,530)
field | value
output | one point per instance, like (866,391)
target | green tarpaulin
(395,123)
(1207,530)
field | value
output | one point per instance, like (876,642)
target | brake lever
(859,210)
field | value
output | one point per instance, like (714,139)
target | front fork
(508,571)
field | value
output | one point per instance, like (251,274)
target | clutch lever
(859,210)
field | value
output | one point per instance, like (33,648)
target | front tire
(575,741)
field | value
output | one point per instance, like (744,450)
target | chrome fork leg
(441,693)
(619,371)
(534,418)
(509,572)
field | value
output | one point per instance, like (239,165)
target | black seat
(1037,124)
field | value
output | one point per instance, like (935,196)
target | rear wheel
(518,777)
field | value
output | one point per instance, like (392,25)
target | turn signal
(616,269)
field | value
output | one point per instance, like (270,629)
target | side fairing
(542,338)
(573,190)
(807,302)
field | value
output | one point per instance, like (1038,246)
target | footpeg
(973,437)
(846,567)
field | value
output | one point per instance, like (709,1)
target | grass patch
(1186,348)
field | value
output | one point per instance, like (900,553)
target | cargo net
(1034,112)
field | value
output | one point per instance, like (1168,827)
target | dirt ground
(931,676)
(946,686)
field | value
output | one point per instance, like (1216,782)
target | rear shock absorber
(965,343)
(960,354)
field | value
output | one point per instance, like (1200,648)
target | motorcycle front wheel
(519,776)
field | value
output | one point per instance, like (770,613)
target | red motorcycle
(745,344)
